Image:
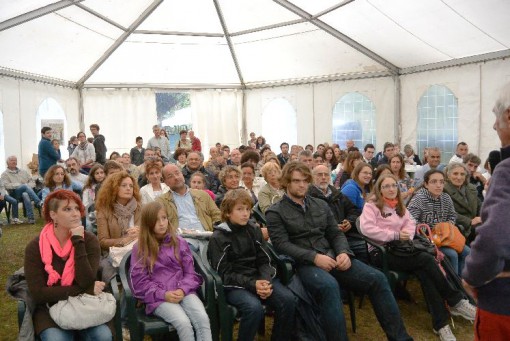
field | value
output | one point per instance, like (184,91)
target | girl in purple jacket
(163,276)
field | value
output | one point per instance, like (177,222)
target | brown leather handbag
(448,235)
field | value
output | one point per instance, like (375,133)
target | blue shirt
(186,212)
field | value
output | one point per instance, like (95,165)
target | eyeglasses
(366,173)
(435,182)
(389,186)
(322,174)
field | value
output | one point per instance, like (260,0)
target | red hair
(53,200)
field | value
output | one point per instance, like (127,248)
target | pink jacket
(385,229)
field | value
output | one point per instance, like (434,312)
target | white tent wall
(476,87)
(314,104)
(217,117)
(122,115)
(19,103)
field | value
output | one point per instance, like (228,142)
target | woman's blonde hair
(148,244)
(107,195)
(268,167)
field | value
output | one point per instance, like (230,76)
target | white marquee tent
(103,60)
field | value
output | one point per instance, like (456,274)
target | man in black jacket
(305,229)
(99,145)
(343,209)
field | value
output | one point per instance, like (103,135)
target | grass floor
(416,318)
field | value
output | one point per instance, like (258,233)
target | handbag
(448,235)
(84,311)
(408,248)
(118,252)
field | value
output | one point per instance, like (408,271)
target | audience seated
(84,153)
(385,219)
(194,164)
(20,188)
(73,169)
(465,200)
(272,191)
(61,262)
(229,177)
(359,186)
(57,178)
(94,180)
(430,205)
(433,162)
(154,188)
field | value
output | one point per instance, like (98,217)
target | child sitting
(163,276)
(197,181)
(239,254)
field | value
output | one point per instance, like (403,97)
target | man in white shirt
(461,151)
(161,142)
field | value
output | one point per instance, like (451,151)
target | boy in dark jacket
(238,252)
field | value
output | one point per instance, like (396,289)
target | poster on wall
(57,127)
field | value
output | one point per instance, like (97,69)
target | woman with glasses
(118,211)
(430,205)
(385,219)
(360,184)
(465,199)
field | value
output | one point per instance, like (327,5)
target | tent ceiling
(243,43)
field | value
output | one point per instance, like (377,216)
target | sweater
(168,274)
(47,155)
(12,179)
(352,190)
(426,209)
(86,257)
(384,229)
(490,251)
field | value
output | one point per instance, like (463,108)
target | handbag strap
(424,230)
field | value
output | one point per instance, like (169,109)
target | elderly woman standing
(118,211)
(84,152)
(272,191)
(465,199)
(62,262)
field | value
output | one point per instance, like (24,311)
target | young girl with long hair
(360,184)
(163,276)
(95,178)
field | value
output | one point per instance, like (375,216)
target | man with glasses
(343,209)
(305,229)
(187,209)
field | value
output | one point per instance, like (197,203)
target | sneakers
(31,221)
(445,334)
(16,221)
(464,309)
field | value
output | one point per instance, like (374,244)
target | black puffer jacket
(240,256)
(302,234)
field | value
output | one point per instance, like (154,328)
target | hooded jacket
(168,274)
(239,254)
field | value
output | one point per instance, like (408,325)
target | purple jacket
(167,275)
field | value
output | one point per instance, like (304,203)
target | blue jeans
(283,302)
(14,205)
(99,333)
(456,259)
(27,194)
(186,315)
(361,278)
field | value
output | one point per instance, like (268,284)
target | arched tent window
(437,121)
(2,145)
(279,124)
(354,119)
(51,114)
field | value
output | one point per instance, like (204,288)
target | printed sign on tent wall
(57,127)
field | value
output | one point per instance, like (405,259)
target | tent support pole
(398,110)
(81,111)
(244,124)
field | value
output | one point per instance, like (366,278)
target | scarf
(83,145)
(124,213)
(48,242)
(391,202)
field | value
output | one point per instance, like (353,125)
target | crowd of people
(311,197)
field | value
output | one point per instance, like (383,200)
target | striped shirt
(426,209)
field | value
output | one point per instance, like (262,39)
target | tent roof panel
(169,59)
(54,45)
(11,9)
(314,7)
(120,11)
(279,54)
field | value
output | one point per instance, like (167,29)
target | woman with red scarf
(62,262)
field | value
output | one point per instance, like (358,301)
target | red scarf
(391,202)
(48,242)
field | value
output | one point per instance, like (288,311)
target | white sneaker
(16,221)
(464,309)
(445,334)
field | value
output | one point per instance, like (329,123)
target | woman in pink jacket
(385,219)
(163,276)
